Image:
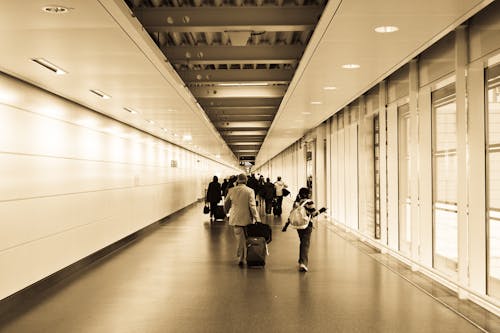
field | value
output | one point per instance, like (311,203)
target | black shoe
(241,264)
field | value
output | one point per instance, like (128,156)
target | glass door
(493,179)
(404,166)
(444,180)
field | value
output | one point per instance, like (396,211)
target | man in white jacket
(241,201)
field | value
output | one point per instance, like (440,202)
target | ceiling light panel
(50,66)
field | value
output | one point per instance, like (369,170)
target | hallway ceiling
(223,79)
(236,57)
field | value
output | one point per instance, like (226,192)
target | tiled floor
(183,277)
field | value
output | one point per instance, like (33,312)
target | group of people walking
(241,202)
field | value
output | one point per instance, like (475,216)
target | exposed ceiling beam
(234,54)
(249,143)
(242,124)
(237,111)
(242,117)
(240,132)
(246,92)
(240,102)
(226,18)
(242,75)
(245,150)
(244,138)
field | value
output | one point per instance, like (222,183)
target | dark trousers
(213,205)
(305,241)
(269,205)
(279,201)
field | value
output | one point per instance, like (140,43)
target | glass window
(376,168)
(404,165)
(493,179)
(444,180)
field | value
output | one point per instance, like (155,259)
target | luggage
(219,213)
(298,216)
(259,229)
(256,251)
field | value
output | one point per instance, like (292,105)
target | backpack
(298,216)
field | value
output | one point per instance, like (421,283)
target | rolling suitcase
(219,213)
(259,229)
(256,251)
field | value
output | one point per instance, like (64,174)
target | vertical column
(461,60)
(415,204)
(425,176)
(382,93)
(477,178)
(320,172)
(328,165)
(392,177)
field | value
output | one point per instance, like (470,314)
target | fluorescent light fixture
(47,64)
(100,94)
(386,29)
(55,9)
(187,137)
(316,103)
(217,156)
(306,112)
(244,84)
(130,110)
(329,88)
(351,66)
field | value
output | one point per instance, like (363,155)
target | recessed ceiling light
(306,112)
(316,103)
(329,88)
(130,110)
(100,93)
(386,29)
(351,66)
(150,121)
(187,137)
(55,9)
(49,65)
(217,156)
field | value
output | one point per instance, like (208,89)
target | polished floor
(183,277)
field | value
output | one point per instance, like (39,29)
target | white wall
(74,181)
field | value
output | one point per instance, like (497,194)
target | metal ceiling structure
(236,57)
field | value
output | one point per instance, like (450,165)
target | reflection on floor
(184,277)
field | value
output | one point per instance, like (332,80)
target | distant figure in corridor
(240,201)
(268,194)
(304,198)
(214,195)
(279,185)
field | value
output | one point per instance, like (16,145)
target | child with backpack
(301,219)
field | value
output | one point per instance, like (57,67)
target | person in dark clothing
(268,193)
(223,187)
(253,183)
(305,234)
(213,195)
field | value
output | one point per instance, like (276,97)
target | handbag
(206,209)
(285,192)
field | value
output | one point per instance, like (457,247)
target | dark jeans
(279,201)
(305,241)
(213,205)
(269,205)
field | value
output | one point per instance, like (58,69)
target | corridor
(183,277)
